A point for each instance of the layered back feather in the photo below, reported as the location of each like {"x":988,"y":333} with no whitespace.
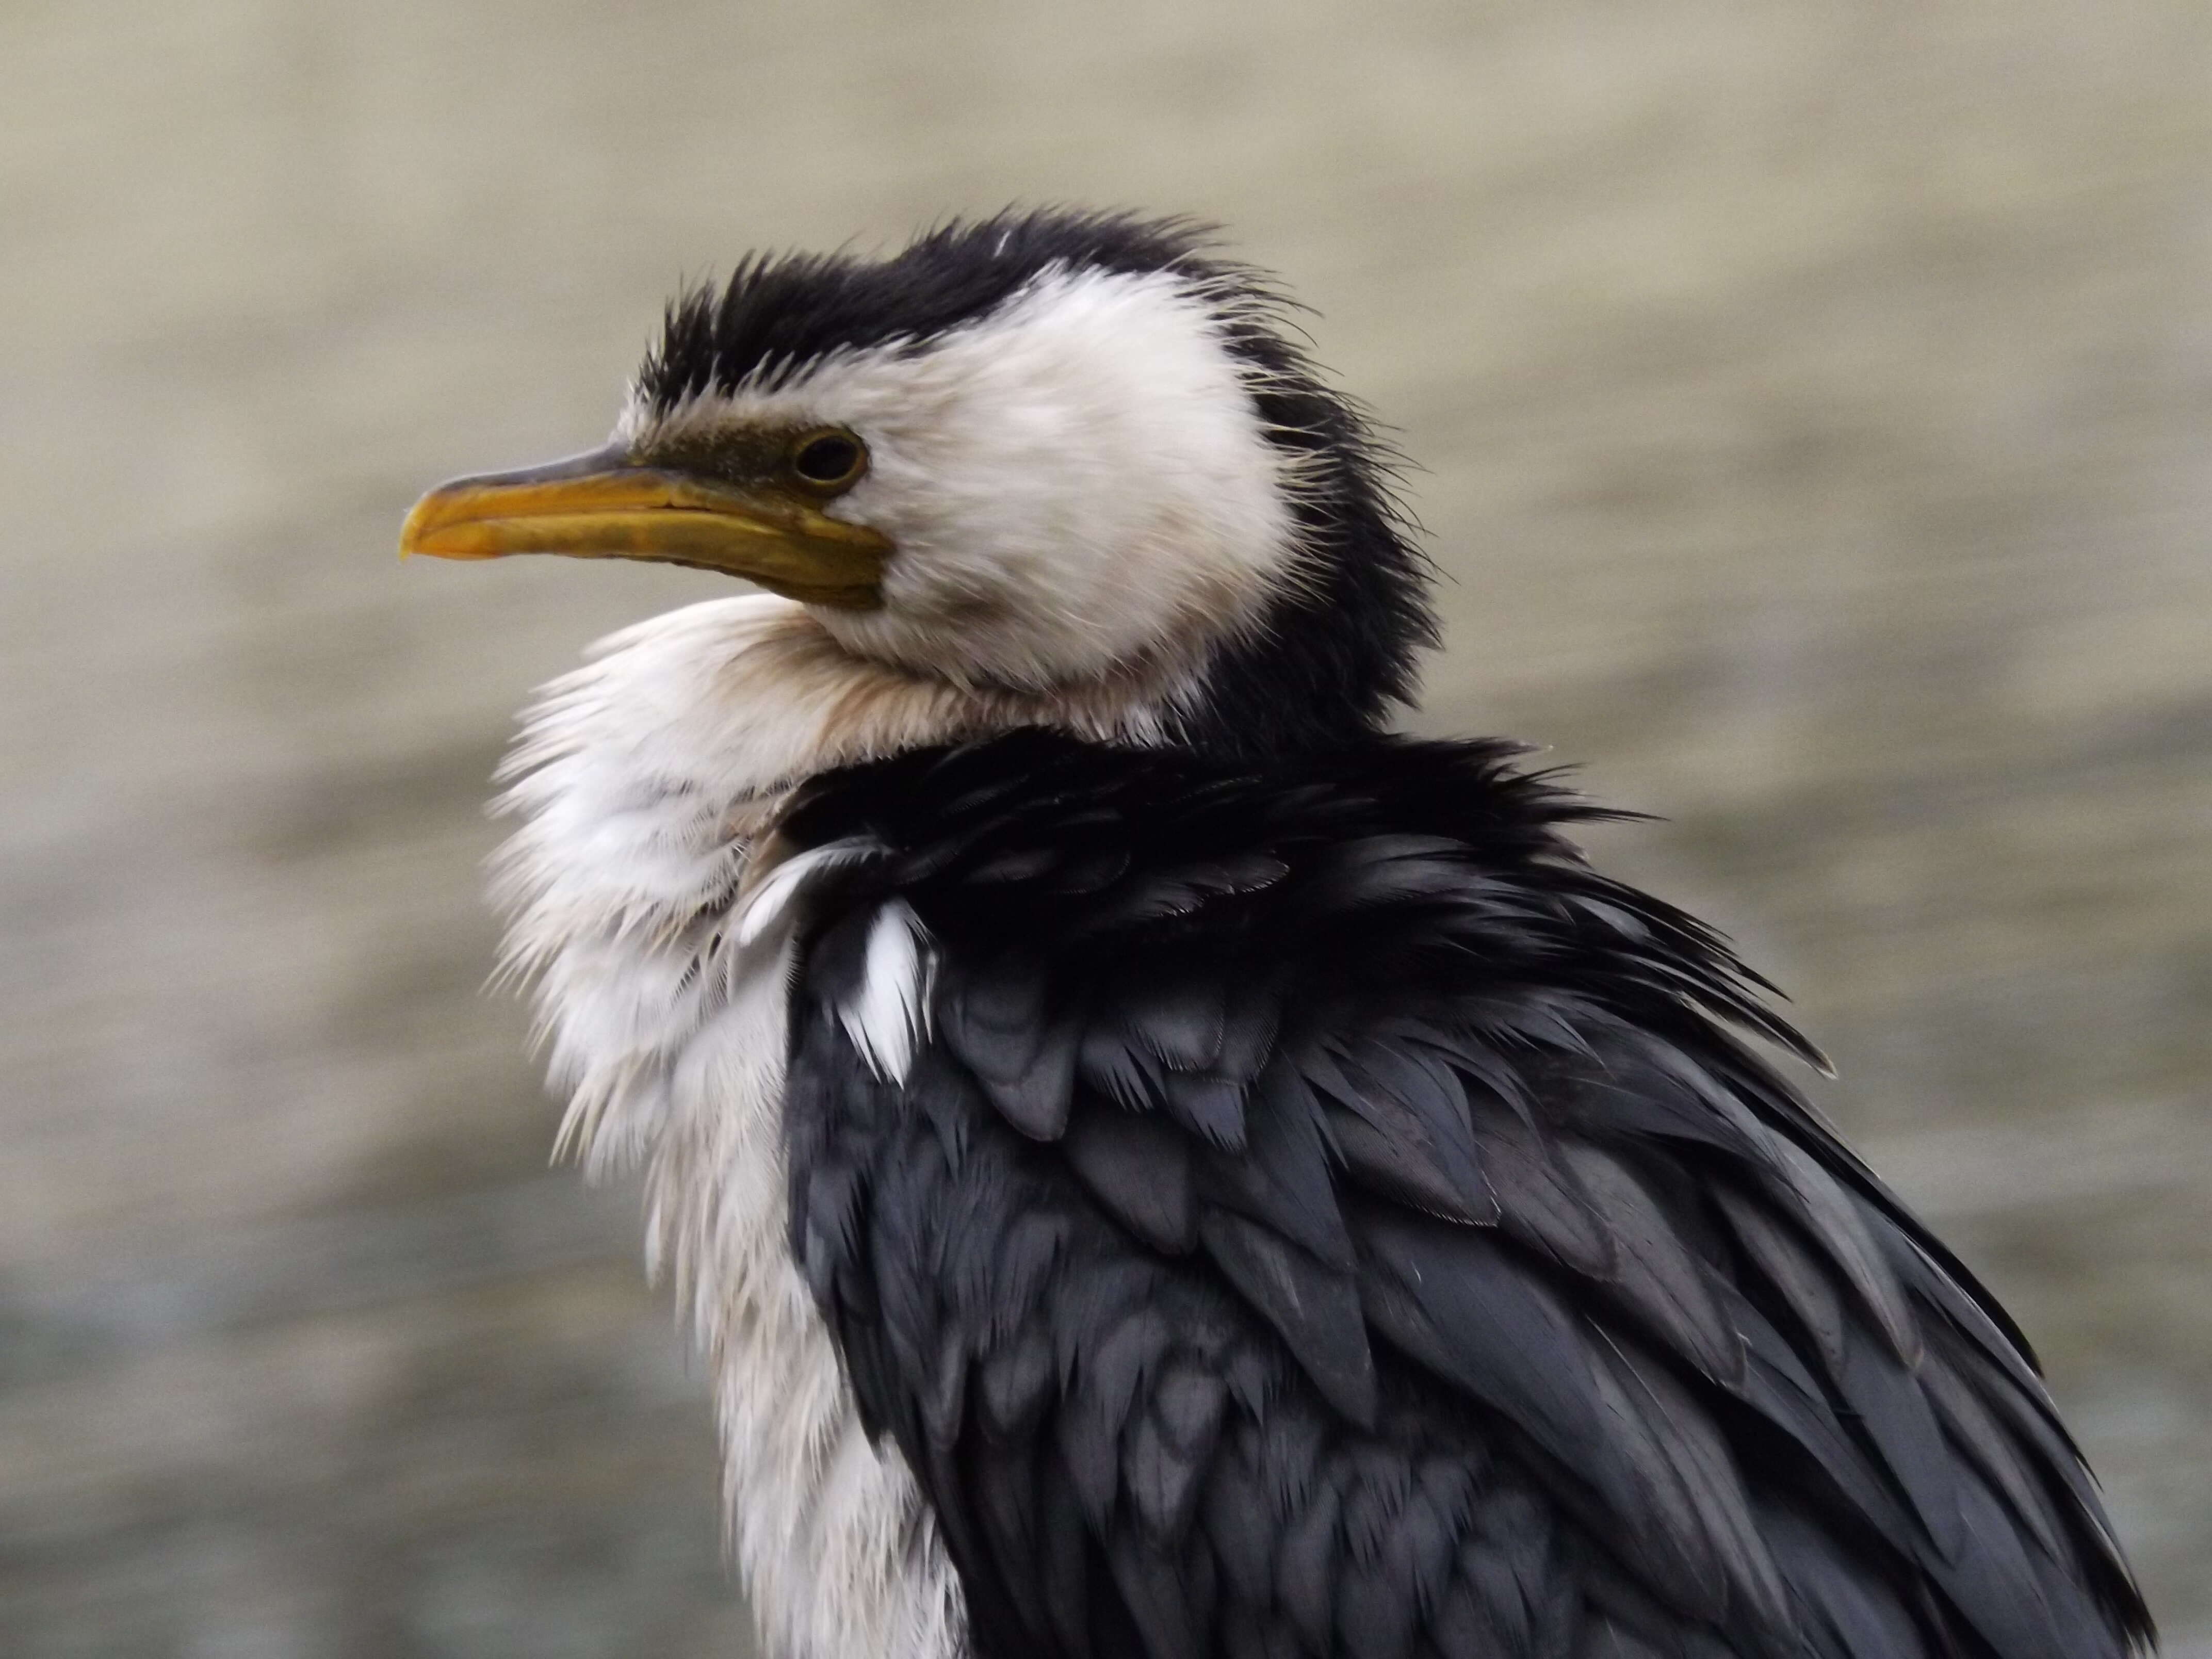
{"x":1314,"y":1214}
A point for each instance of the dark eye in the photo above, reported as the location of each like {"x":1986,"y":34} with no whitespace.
{"x":828,"y":460}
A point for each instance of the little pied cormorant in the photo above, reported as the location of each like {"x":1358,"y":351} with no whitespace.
{"x":1162,"y":1166}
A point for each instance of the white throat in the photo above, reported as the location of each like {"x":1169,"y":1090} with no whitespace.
{"x":648,"y":785}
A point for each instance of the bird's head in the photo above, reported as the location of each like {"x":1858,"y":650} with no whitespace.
{"x":1047,"y":453}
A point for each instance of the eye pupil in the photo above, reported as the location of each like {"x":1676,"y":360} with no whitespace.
{"x":830,"y":458}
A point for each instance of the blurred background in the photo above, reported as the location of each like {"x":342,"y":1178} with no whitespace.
{"x":1814,"y":402}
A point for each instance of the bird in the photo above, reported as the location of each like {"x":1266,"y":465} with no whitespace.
{"x":1163,"y":1165}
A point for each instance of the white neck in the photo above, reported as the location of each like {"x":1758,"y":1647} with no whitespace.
{"x":646,"y":779}
{"x":648,"y":784}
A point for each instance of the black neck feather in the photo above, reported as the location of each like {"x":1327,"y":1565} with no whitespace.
{"x":1336,"y":652}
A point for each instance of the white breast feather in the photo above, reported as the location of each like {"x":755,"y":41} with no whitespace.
{"x":646,"y":903}
{"x":641,"y":781}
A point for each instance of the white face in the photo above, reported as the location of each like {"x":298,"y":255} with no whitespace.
{"x":1077,"y":487}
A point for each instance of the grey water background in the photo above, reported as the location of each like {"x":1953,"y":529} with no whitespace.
{"x":1816,"y":411}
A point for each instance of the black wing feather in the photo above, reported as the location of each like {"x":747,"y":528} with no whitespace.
{"x":1324,"y":1218}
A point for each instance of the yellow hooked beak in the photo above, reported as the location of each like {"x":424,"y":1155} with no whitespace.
{"x":600,"y":507}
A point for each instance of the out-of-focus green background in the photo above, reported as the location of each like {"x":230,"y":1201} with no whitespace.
{"x":1816,"y":405}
